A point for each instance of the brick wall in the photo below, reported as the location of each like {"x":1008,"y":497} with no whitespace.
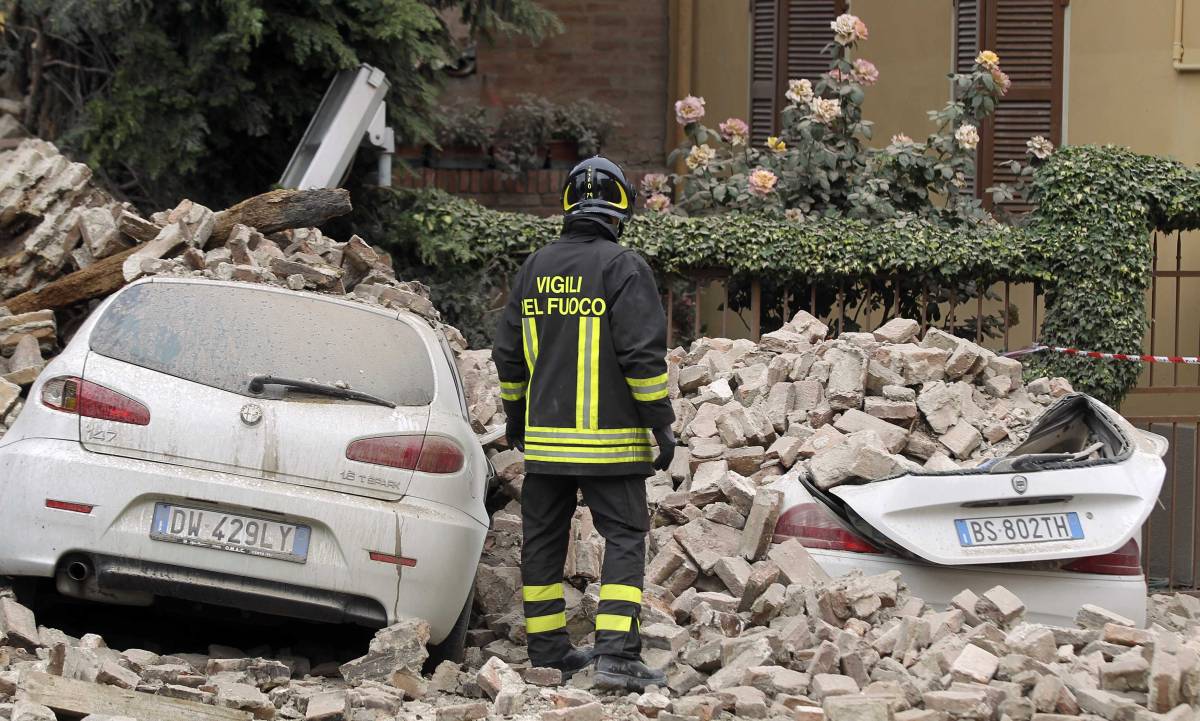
{"x":615,"y":52}
{"x":537,"y":192}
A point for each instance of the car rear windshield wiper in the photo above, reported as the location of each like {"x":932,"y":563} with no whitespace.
{"x":258,"y":382}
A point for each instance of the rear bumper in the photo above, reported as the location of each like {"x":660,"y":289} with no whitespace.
{"x":338,"y":581}
{"x":1050,"y":597}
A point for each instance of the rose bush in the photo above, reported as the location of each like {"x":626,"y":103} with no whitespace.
{"x":820,"y":163}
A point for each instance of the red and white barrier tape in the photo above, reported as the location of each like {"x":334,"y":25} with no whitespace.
{"x":1187,"y":360}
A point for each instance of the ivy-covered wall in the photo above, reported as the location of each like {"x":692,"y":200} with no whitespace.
{"x":1087,"y":244}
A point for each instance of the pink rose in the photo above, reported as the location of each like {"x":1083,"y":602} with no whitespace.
{"x":689,"y":110}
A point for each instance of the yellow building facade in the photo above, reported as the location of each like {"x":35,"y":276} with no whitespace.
{"x":1130,"y":77}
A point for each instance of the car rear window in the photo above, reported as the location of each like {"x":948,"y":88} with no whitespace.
{"x":222,"y":336}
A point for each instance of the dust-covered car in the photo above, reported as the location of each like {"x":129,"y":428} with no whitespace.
{"x":1054,"y":520}
{"x":250,"y":446}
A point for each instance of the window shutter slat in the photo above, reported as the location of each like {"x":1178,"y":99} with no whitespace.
{"x":787,"y":40}
{"x":1028,"y":37}
{"x":808,"y":33}
{"x":764,"y":24}
{"x":966,"y":47}
{"x":966,"y":34}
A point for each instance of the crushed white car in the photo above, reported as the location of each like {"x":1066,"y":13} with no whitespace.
{"x":1055,"y":520}
{"x":250,"y":446}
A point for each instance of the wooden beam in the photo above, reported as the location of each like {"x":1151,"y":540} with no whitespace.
{"x":82,"y":698}
{"x":98,"y":279}
{"x":282,"y":209}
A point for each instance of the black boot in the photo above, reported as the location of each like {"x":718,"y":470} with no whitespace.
{"x":575,"y":660}
{"x":617,"y":673}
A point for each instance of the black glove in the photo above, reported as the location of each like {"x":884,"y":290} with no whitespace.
{"x":514,"y":432}
{"x":666,"y":448}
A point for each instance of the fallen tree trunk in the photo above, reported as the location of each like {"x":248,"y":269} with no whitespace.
{"x":282,"y":209}
{"x":99,"y":279}
{"x":267,"y":213}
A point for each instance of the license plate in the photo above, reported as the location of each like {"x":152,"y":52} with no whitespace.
{"x":1002,"y":530}
{"x":230,"y":532}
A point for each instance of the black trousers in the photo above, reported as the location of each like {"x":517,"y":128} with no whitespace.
{"x":618,"y":506}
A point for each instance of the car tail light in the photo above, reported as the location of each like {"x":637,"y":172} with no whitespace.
{"x":816,"y":527}
{"x":75,"y":395}
{"x":428,"y":454}
{"x":1125,"y":561}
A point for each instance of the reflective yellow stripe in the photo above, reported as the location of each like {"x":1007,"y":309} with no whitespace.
{"x":613,"y":622}
{"x":582,"y":386}
{"x":597,"y":432}
{"x":530,"y":342}
{"x":512,"y":390}
{"x":541,"y":624}
{"x":594,"y":363}
{"x":571,"y":454}
{"x":637,"y":437}
{"x":628,"y":458}
{"x":648,"y":389}
{"x":549,"y":592}
{"x":620,"y":592}
{"x":643,"y":382}
{"x":587,"y":373}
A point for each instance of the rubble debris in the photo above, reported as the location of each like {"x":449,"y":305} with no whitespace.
{"x":857,"y":648}
{"x":81,"y":244}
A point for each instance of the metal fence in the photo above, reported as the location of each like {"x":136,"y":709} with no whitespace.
{"x":1007,"y":316}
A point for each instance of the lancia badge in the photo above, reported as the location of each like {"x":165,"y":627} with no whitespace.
{"x":251,"y":414}
{"x":1020,"y":484}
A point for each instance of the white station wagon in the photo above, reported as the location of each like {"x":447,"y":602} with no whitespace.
{"x":255,"y":447}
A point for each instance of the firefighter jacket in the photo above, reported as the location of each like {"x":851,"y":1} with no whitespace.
{"x":581,"y":352}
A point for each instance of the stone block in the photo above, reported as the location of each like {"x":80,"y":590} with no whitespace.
{"x":852,"y":421}
{"x":760,"y":524}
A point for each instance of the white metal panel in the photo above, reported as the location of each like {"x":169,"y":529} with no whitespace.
{"x":296,"y":441}
{"x":918,"y":512}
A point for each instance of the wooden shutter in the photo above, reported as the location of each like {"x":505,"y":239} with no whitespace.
{"x":764,"y":26}
{"x":966,"y":47}
{"x":1028,"y":37}
{"x":787,"y":39}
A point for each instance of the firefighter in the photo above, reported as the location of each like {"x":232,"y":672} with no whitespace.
{"x":580,"y":350}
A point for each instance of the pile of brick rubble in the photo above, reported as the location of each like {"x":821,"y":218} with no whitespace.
{"x":54,"y":220}
{"x":745,"y":626}
{"x":806,"y":648}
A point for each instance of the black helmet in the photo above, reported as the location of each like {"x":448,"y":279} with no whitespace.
{"x":597,"y":188}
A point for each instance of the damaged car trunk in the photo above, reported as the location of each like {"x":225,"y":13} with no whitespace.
{"x":1080,"y":485}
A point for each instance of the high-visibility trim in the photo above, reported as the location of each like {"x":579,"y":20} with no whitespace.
{"x":635,"y":437}
{"x":582,"y":384}
{"x":529,"y":339}
{"x":589,"y":432}
{"x":585,"y":452}
{"x":645,"y":382}
{"x":542,"y":624}
{"x":594,"y":377}
{"x":620,"y":592}
{"x":549,"y":592}
{"x":513,"y":391}
{"x":648,"y":389}
{"x":556,"y":454}
{"x":587,"y":373}
{"x":613,"y":622}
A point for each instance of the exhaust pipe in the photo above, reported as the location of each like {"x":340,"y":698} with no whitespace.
{"x":77,"y":578}
{"x":79,"y":571}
